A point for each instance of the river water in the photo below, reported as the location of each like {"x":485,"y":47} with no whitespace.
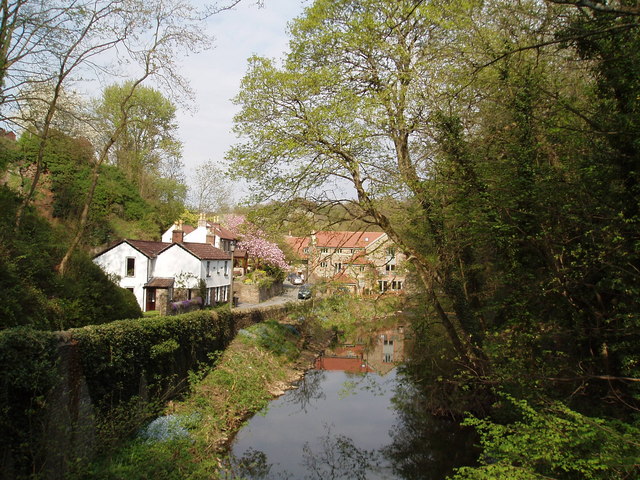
{"x":354,"y":416}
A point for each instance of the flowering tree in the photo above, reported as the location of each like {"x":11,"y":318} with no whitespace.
{"x":260,"y":250}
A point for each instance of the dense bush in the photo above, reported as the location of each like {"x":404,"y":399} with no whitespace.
{"x":28,"y":373}
{"x":68,"y":162}
{"x":555,"y":442}
{"x":31,"y":291}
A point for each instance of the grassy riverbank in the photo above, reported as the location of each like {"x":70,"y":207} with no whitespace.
{"x":189,"y":440}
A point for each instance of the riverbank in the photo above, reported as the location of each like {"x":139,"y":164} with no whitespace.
{"x":189,"y":440}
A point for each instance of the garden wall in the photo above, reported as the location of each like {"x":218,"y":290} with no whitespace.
{"x":54,"y":386}
{"x":251,"y":293}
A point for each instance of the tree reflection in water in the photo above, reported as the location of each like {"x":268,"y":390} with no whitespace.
{"x":424,"y":446}
{"x":252,"y":464}
{"x":308,"y":389}
{"x":338,"y":458}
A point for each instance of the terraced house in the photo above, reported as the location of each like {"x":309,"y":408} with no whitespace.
{"x":362,"y":262}
{"x":193,"y":266}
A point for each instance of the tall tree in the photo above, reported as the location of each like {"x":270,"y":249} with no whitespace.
{"x":168,"y":25}
{"x":351,"y":105}
{"x":473,"y":120}
{"x":55,"y":42}
{"x":210,"y":188}
{"x":148,"y":142}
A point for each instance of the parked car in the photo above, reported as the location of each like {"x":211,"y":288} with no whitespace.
{"x":297,"y":280}
{"x":304,"y":293}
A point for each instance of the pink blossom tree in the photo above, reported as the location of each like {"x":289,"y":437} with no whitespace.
{"x":253,"y":240}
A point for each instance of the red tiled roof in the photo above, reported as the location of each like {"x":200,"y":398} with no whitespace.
{"x":344,"y":278}
{"x":327,"y":239}
{"x":205,"y":251}
{"x":148,"y":248}
{"x":222,"y":232}
{"x":346,"y":239}
{"x":298,"y":244}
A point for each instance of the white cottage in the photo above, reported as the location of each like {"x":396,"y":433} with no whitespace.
{"x":152,"y":270}
{"x":205,"y":232}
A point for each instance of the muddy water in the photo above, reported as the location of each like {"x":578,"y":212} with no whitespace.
{"x":353,"y":417}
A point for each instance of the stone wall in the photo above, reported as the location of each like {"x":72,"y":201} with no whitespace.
{"x":250,"y":293}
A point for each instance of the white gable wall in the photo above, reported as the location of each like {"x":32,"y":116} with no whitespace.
{"x":114,"y":262}
{"x":199,"y":235}
{"x":176,"y":262}
{"x":168,"y":235}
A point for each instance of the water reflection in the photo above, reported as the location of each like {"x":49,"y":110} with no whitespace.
{"x":356,"y":419}
{"x":307,"y":391}
{"x":379,"y":353}
{"x":424,"y":446}
{"x":337,"y":457}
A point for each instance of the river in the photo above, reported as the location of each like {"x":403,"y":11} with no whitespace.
{"x":355,"y":416}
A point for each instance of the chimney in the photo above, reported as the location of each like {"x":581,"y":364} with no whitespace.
{"x":211,"y":238}
{"x":314,"y":240}
{"x":177,"y":235}
{"x":202,"y":221}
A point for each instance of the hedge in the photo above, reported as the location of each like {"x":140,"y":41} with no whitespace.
{"x":150,"y":356}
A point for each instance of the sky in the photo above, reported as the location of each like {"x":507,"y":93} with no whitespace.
{"x":215,"y":75}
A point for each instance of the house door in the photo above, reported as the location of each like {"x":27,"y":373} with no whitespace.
{"x":151,"y":299}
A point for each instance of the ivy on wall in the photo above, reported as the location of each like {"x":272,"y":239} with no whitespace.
{"x":29,"y":371}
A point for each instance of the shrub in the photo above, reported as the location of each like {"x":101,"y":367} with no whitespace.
{"x":555,"y":442}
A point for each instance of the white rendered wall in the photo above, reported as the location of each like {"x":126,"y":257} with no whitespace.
{"x":217,"y":276}
{"x":199,"y":235}
{"x":176,"y":262}
{"x":167,"y":236}
{"x":114,"y":262}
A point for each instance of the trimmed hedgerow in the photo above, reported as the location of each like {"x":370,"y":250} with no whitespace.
{"x":149,"y":357}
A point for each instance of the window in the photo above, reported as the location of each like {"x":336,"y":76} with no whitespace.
{"x":390,"y":267}
{"x":391,"y":252}
{"x":226,"y":267}
{"x":131,"y":267}
{"x":338,"y":250}
{"x":337,"y":267}
{"x":305,"y":249}
{"x":208,"y":269}
{"x":323,"y":264}
{"x":324,"y":250}
{"x":361,"y":268}
{"x":396,"y":285}
{"x":388,"y":358}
